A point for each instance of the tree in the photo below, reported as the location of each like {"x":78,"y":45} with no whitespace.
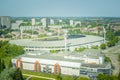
{"x":18,"y":75}
{"x":119,"y":76}
{"x":11,"y":74}
{"x":2,"y":65}
{"x":110,"y":35}
{"x":9,"y":64}
{"x":103,"y":46}
{"x":106,"y":77}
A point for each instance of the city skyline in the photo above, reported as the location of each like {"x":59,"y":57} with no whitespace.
{"x":65,"y":8}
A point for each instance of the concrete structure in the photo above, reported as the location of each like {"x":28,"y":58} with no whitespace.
{"x":77,"y":22}
{"x":60,"y":21}
{"x":17,"y":24}
{"x":71,"y":23}
{"x":43,"y":20}
{"x":5,"y":21}
{"x":51,"y":21}
{"x":33,"y":21}
{"x":47,"y":45}
{"x":89,"y":62}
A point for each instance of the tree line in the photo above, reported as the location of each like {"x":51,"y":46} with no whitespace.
{"x":7,"y":52}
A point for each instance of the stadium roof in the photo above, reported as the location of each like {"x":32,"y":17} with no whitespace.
{"x":60,"y":43}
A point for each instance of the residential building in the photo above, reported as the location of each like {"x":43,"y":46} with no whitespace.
{"x":33,"y":21}
{"x":5,"y":21}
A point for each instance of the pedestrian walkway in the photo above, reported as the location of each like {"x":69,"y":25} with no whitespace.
{"x":38,"y":77}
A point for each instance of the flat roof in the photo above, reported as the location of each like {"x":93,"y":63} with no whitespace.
{"x":73,"y":56}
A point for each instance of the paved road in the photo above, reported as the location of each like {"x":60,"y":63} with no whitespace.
{"x":38,"y":77}
{"x":113,"y":53}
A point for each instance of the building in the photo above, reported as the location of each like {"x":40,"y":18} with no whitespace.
{"x":77,"y":22}
{"x":43,"y":20}
{"x":73,"y":41}
{"x":60,"y":21}
{"x":51,"y":21}
{"x":71,"y":23}
{"x":16,"y":24}
{"x":33,"y":21}
{"x":5,"y":21}
{"x":89,"y":62}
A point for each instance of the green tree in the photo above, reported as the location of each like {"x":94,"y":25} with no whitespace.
{"x":11,"y":74}
{"x":2,"y":65}
{"x":103,"y":46}
{"x":111,"y":43}
{"x":119,"y":76}
{"x":110,"y":35}
{"x":9,"y":64}
{"x":94,"y":47}
{"x":18,"y":75}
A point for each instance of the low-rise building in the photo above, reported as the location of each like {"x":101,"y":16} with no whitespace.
{"x":88,"y":62}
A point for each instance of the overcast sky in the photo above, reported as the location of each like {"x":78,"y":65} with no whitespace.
{"x":82,"y":8}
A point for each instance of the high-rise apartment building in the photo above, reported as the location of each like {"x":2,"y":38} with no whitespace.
{"x":43,"y":20}
{"x":71,"y":23}
{"x":51,"y":21}
{"x":5,"y":21}
{"x":33,"y":21}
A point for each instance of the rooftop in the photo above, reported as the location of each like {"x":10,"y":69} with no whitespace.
{"x":69,"y":56}
{"x":60,"y":43}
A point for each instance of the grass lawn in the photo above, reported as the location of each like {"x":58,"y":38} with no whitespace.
{"x":34,"y":78}
{"x":56,"y":77}
{"x":38,"y":74}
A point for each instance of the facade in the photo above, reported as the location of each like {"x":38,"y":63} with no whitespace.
{"x":77,"y":22}
{"x":86,"y":63}
{"x":5,"y":21}
{"x":33,"y":21}
{"x":51,"y":21}
{"x":17,"y":24}
{"x":60,"y":21}
{"x":43,"y":20}
{"x":71,"y":23}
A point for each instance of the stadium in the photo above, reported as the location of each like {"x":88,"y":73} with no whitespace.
{"x":54,"y":43}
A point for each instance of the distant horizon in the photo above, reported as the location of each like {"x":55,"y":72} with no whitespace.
{"x":58,"y":8}
{"x":71,"y":16}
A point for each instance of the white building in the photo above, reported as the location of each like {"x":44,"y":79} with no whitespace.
{"x":51,"y":21}
{"x":60,"y":21}
{"x":16,"y":24}
{"x":33,"y":21}
{"x":77,"y":22}
{"x":71,"y":23}
{"x":5,"y":21}
{"x":85,"y":63}
{"x":43,"y":20}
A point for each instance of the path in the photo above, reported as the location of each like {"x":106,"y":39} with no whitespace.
{"x":39,"y":76}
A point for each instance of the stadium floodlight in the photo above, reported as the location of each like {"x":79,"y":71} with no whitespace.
{"x":104,"y":33}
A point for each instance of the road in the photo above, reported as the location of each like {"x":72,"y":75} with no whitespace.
{"x":38,"y":77}
{"x":113,"y":53}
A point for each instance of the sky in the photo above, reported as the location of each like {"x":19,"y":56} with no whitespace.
{"x":61,"y":8}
